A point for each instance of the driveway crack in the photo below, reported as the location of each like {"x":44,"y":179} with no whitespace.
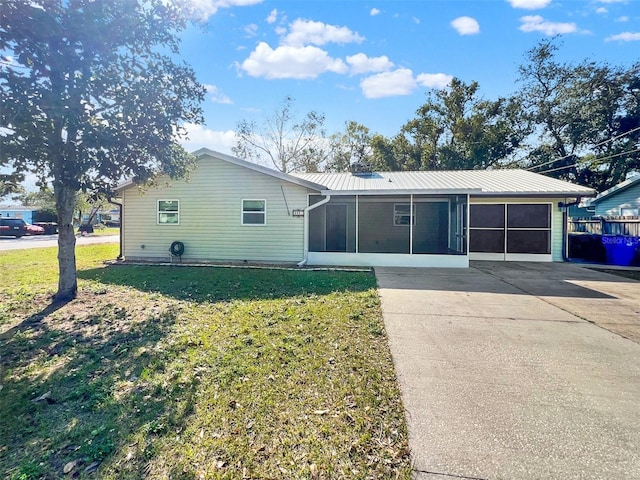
{"x":449,"y":475}
{"x":488,"y":272}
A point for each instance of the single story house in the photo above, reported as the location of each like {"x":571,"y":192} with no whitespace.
{"x":19,"y":211}
{"x":231,"y":210}
{"x":621,"y":200}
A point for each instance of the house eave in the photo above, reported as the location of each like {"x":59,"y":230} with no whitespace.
{"x":389,"y":192}
{"x":534,"y":194}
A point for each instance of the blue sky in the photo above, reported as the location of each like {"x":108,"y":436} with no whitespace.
{"x":373,"y":61}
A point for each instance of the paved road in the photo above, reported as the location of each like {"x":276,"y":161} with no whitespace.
{"x":41,"y":241}
{"x":517,"y":371}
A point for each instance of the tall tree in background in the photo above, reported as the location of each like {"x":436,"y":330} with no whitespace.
{"x":586,"y":117}
{"x":354,"y":145}
{"x":284,"y":141}
{"x":454,"y":130}
{"x":90,"y":95}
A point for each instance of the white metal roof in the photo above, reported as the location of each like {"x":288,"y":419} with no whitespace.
{"x":475,"y":182}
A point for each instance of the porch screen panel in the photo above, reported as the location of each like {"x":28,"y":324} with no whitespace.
{"x":431,"y":229}
{"x":487,"y":228}
{"x":381,"y":229}
{"x":529,"y":228}
{"x":332,"y":226}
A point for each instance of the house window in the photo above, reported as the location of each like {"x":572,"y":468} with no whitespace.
{"x":628,"y":212}
{"x":401,"y":214}
{"x":168,"y":212}
{"x":254,"y":212}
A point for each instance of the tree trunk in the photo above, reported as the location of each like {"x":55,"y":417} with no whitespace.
{"x":67,"y":280}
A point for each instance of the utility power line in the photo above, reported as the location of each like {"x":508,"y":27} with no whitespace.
{"x":603,"y":158}
{"x":596,"y":145}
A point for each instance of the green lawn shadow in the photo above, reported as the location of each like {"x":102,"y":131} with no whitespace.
{"x":214,"y":283}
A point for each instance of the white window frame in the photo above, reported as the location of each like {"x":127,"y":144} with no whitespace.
{"x":242,"y":212}
{"x":412,"y":208}
{"x":629,"y":211}
{"x":158,"y":212}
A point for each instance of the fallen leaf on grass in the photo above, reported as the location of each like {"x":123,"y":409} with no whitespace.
{"x":321,"y":412}
{"x":92,"y":467}
{"x":69,"y":466}
{"x":42,"y":397}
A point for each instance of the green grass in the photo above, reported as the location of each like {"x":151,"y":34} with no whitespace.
{"x":106,"y":231}
{"x":195,"y":372}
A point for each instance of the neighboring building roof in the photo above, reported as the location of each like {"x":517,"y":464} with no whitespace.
{"x":204,"y":152}
{"x":476,"y":182}
{"x":18,"y":208}
{"x":614,"y":190}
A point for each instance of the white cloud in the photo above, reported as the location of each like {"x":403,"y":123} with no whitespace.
{"x":535,"y":23}
{"x":466,"y":25}
{"x":217,"y":96}
{"x":624,"y":37}
{"x":622,"y":19}
{"x":401,"y":82}
{"x":389,"y":84}
{"x":434,"y":80}
{"x":199,"y":137}
{"x":251,"y":30}
{"x":203,"y":9}
{"x":273,"y":16}
{"x":374,"y":12}
{"x":415,"y":20}
{"x":361,"y":63}
{"x":612,"y":1}
{"x":303,"y":32}
{"x":529,"y":4}
{"x":602,"y":10}
{"x":290,"y":62}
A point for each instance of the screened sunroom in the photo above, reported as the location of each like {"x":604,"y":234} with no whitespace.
{"x":411,"y":230}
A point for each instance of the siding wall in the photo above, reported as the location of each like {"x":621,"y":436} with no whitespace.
{"x":26,"y":215}
{"x":629,"y":198}
{"x":210,"y":217}
{"x":556,"y":218}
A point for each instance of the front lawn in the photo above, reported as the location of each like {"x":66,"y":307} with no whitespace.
{"x":194,"y":372}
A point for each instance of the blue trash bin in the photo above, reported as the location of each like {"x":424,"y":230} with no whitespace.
{"x":621,"y":249}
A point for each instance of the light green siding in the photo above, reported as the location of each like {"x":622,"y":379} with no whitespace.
{"x":556,"y":218}
{"x":210,"y":217}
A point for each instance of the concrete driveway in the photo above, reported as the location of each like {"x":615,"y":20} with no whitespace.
{"x":517,"y":370}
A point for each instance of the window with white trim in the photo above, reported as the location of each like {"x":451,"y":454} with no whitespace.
{"x":401,"y":215}
{"x":254,"y":212}
{"x":628,"y":212}
{"x":168,"y":212}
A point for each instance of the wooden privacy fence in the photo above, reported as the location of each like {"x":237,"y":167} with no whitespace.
{"x":629,"y":226}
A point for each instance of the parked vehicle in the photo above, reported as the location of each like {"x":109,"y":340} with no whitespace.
{"x":50,"y":228}
{"x":34,"y":229}
{"x":13,"y":227}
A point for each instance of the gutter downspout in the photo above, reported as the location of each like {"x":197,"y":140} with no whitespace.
{"x":306,"y":228}
{"x":120,"y":206}
{"x":565,"y":229}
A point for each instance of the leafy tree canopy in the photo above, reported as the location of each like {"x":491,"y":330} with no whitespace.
{"x":354,"y":145}
{"x":91,"y":94}
{"x":586,"y":117}
{"x":454,"y":129}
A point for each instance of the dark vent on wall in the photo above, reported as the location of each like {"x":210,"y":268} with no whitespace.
{"x":361,"y":169}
